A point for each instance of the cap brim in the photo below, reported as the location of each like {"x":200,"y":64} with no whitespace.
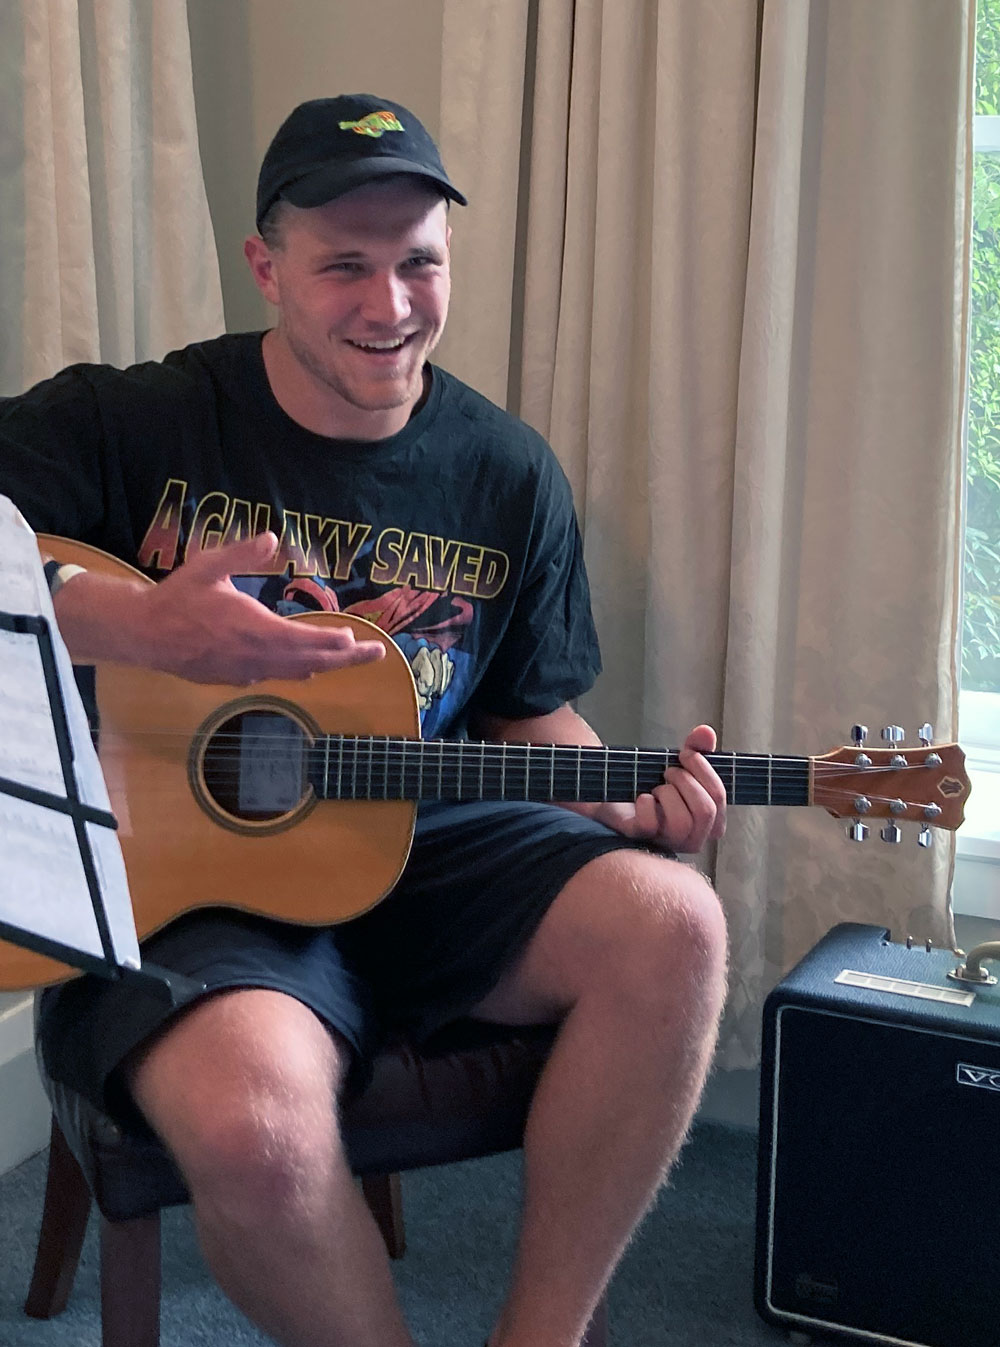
{"x":333,"y":180}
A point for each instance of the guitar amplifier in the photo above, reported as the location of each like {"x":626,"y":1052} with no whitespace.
{"x":878,"y":1187}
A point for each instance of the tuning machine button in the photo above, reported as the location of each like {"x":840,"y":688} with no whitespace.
{"x":891,"y":833}
{"x":859,"y":733}
{"x":926,"y":734}
{"x":925,"y":838}
{"x":893,"y":734}
{"x":857,"y":831}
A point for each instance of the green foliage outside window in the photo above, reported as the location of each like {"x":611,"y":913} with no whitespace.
{"x":981,"y":634}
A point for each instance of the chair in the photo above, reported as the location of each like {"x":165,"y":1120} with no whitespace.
{"x":464,"y":1095}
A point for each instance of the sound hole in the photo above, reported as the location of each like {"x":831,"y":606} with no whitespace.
{"x":255,"y":765}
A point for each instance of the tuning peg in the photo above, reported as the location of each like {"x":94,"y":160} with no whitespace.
{"x":925,"y":838}
{"x":859,"y":733}
{"x":857,"y":831}
{"x":926,"y":735}
{"x":893,"y":734}
{"x":892,"y":833}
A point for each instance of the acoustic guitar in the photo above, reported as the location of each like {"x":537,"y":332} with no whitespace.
{"x":298,"y":800}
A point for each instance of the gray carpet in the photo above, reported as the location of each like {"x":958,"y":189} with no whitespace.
{"x":686,"y":1280}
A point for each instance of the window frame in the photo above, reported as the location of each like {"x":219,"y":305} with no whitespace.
{"x":976,"y":888}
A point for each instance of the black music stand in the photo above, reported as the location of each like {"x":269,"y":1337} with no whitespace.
{"x":172,"y":987}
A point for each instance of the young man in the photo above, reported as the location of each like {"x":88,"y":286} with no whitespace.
{"x":398,"y":493}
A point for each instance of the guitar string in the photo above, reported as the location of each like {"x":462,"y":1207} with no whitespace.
{"x":879,"y":803}
{"x":746,"y":775}
{"x":472,"y":748}
{"x":218,"y":769}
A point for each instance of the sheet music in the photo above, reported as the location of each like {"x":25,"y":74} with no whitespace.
{"x":43,"y":887}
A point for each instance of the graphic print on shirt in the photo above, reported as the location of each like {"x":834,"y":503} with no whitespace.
{"x":419,"y":588}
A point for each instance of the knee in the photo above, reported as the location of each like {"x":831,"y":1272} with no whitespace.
{"x":671,"y":934}
{"x":259,"y":1160}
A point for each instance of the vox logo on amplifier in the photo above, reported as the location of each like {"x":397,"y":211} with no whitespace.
{"x":808,"y":1287}
{"x":981,"y":1077}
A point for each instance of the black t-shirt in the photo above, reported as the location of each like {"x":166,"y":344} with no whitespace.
{"x":456,"y":536}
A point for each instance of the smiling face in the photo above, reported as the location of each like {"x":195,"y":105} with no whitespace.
{"x":362,"y":286}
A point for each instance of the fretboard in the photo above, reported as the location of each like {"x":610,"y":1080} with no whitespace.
{"x":381,"y":768}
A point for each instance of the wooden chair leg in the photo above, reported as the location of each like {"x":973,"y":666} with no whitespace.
{"x":384,"y":1195}
{"x":130,"y":1282}
{"x":597,"y":1330}
{"x":60,"y":1239}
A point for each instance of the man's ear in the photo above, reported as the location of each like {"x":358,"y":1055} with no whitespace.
{"x":261,"y":264}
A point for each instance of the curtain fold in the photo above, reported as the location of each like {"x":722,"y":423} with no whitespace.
{"x":109,"y":248}
{"x":725,"y":277}
{"x":845,"y":594}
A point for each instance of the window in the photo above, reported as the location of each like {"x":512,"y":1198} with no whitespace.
{"x":977,"y":879}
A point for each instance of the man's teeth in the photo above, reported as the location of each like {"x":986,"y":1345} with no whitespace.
{"x":380,"y":345}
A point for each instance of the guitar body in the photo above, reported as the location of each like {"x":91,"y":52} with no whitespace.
{"x":329,"y":863}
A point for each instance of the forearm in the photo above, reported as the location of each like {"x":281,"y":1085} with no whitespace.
{"x":103,"y":617}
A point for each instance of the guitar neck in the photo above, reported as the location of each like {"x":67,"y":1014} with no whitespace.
{"x":383,"y":768}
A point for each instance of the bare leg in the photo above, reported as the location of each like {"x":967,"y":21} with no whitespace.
{"x":242,"y":1090}
{"x":632,"y":953}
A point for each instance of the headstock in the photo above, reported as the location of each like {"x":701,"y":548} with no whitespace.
{"x":926,"y":785}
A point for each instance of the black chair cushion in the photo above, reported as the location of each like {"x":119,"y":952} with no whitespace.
{"x":465,"y":1093}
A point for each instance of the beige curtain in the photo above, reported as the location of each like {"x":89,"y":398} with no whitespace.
{"x":108,"y":247}
{"x":716,"y":253}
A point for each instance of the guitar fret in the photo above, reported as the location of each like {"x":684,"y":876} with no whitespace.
{"x":381,"y":767}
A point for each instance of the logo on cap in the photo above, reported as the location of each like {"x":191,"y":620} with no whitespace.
{"x":374,"y":124}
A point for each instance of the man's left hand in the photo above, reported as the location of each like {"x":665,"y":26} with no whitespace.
{"x":687,"y":811}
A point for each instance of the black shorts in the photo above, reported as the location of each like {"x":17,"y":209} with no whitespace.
{"x":477,"y":883}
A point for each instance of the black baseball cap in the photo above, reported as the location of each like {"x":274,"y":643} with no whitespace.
{"x":329,"y":146}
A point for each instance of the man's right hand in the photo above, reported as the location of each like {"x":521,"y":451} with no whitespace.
{"x":197,"y":624}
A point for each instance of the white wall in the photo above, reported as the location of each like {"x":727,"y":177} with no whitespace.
{"x":24,"y":1113}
